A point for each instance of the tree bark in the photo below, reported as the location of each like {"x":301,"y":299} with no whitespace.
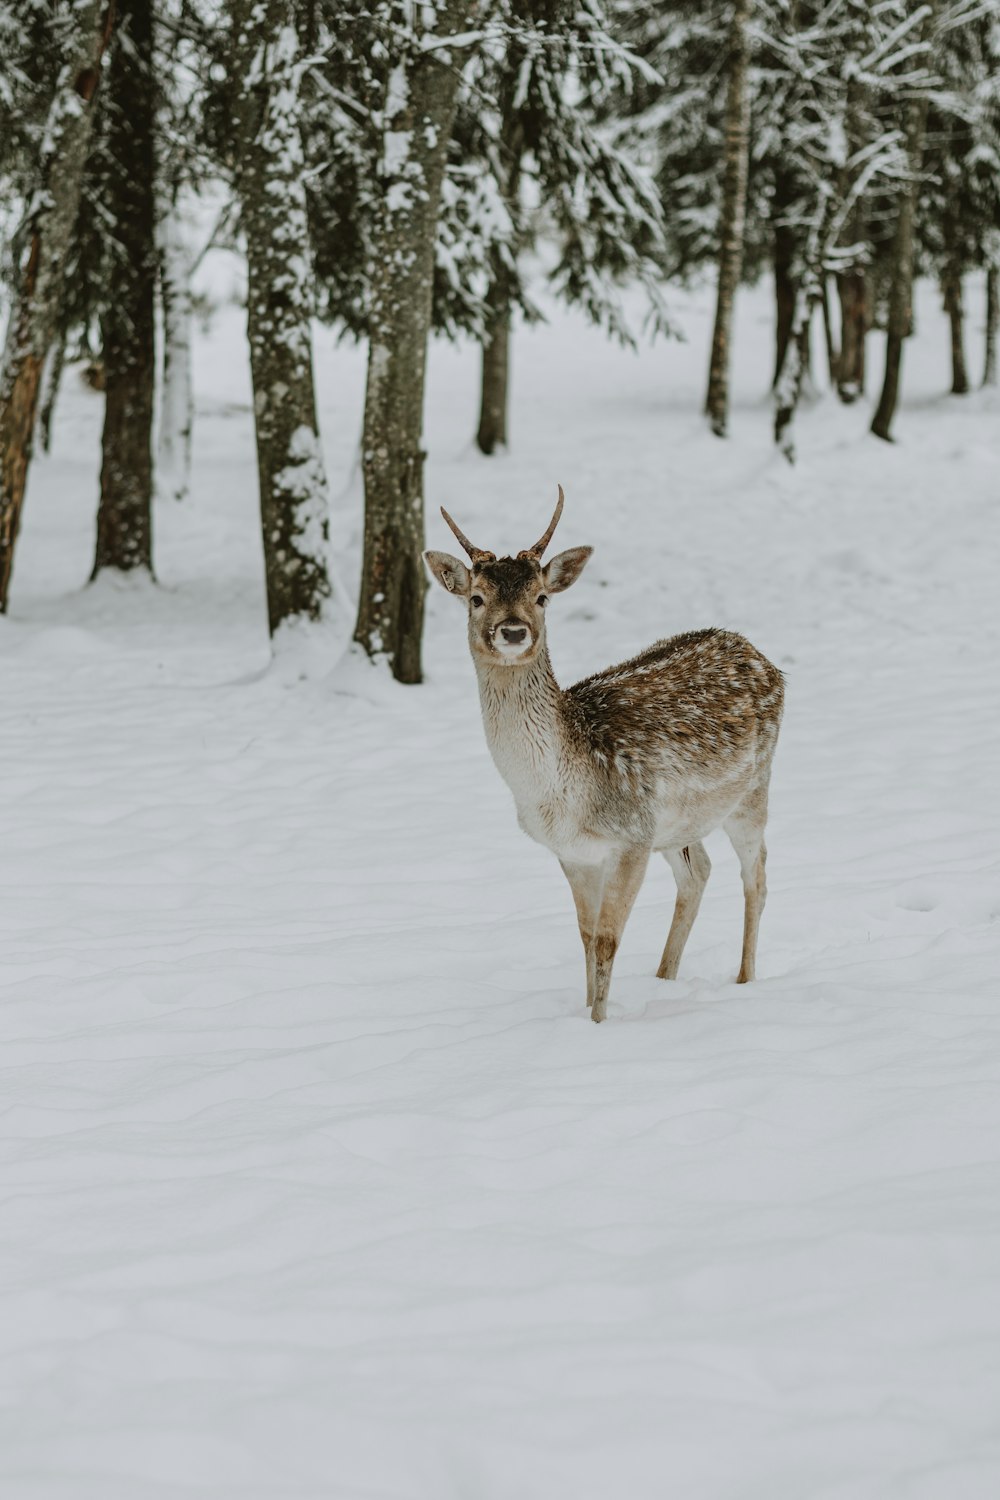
{"x":294,"y":501}
{"x":788,"y":388}
{"x":832,"y":353}
{"x":124,"y":516}
{"x":785,"y":286}
{"x":992,"y":313}
{"x":53,"y":380}
{"x":176,"y":398}
{"x":734,"y":191}
{"x":852,"y":283}
{"x":953,"y":307}
{"x":418,"y":115}
{"x":852,"y":288}
{"x":492,"y":431}
{"x":38,"y":292}
{"x":901,"y":290}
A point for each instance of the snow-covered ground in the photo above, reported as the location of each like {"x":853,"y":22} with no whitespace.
{"x":317,"y":1180}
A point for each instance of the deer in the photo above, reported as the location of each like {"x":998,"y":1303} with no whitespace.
{"x":647,"y":756}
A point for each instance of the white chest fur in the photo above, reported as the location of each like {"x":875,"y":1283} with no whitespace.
{"x":521,"y":716}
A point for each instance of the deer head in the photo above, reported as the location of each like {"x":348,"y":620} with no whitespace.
{"x":506,"y":596}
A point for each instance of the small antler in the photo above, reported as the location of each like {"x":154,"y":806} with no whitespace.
{"x":538,"y":549}
{"x":475,"y":553}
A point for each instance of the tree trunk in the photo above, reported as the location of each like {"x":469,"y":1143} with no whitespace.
{"x":852,"y":283}
{"x":124,"y":521}
{"x":176,"y":400}
{"x":788,"y":388}
{"x":53,"y":380}
{"x":832,"y":354}
{"x":38,"y":290}
{"x":853,"y":290}
{"x":901,"y":290}
{"x":734,"y":192}
{"x":992,"y":312}
{"x":953,"y":307}
{"x":784,"y":282}
{"x":492,"y":430}
{"x":418,"y":115}
{"x":294,"y":502}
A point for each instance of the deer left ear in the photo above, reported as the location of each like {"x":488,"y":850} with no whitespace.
{"x":565,"y":568}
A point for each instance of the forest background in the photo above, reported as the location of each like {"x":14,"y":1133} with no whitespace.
{"x":390,"y":169}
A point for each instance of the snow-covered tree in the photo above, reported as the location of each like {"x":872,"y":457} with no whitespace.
{"x":958,"y":217}
{"x":915,"y":35}
{"x":183,"y":49}
{"x":421,"y":51}
{"x":265,"y":66}
{"x":124,"y":515}
{"x":730,"y":231}
{"x":533,"y":116}
{"x":52,"y":182}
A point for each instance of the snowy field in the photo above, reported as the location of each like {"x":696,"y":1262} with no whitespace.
{"x":318,"y":1182}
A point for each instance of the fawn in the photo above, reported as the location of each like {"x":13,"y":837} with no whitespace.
{"x":652,"y":754}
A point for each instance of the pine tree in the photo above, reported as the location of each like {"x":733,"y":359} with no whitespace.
{"x":124,"y":516}
{"x":840,"y":160}
{"x":541,"y":101}
{"x":183,"y":47}
{"x":265,"y":70}
{"x":901,"y":265}
{"x":44,"y":242}
{"x":958,"y":219}
{"x":416,"y":107}
{"x":733,"y":214}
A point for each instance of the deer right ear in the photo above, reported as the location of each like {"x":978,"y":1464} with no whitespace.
{"x":565,"y":568}
{"x":449,"y":572}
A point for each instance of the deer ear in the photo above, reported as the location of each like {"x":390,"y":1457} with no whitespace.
{"x":449,"y":572}
{"x":565,"y":568}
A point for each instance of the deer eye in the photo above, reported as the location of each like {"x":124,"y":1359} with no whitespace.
{"x":542,"y":599}
{"x":476,"y":601}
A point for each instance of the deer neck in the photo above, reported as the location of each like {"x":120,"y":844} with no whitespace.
{"x":522,"y":716}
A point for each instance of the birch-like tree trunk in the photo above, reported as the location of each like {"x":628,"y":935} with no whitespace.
{"x":294,"y":499}
{"x":734,"y":193}
{"x":901,"y":289}
{"x":832,"y":352}
{"x":992,"y":317}
{"x":51,"y":217}
{"x":173,"y":449}
{"x":124,"y":515}
{"x":416,"y":127}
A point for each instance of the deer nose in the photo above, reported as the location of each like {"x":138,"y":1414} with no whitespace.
{"x":514,"y":634}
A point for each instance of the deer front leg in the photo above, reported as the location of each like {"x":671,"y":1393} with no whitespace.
{"x":587,"y":884}
{"x":623,"y":877}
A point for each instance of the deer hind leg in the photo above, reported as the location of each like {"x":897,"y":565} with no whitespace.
{"x":587,"y":884}
{"x":623,"y":877}
{"x":746,"y":834}
{"x":691,"y":867}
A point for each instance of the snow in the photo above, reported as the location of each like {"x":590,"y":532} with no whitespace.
{"x":318,"y":1181}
